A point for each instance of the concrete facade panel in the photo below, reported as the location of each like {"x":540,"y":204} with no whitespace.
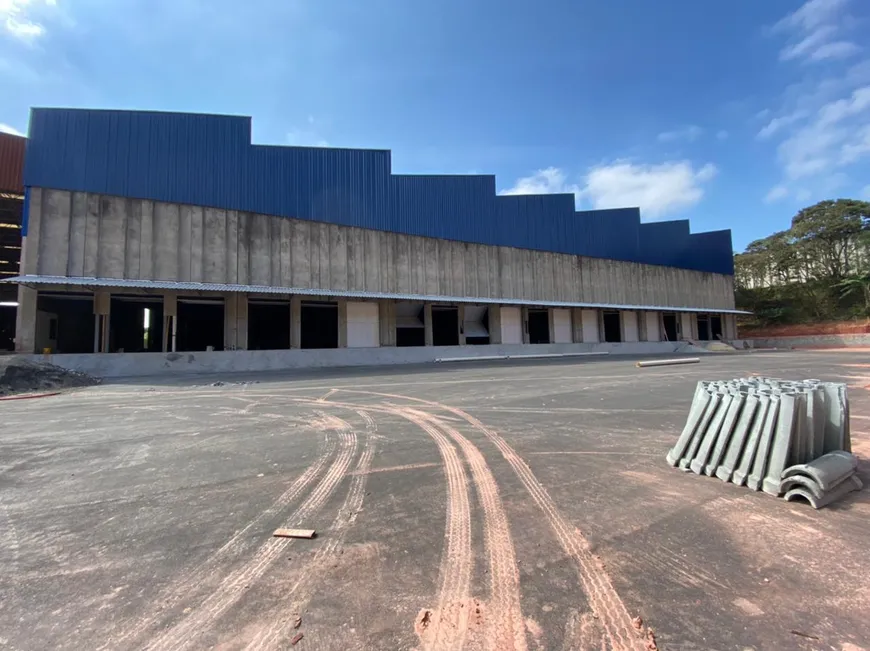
{"x":590,"y":326}
{"x":653,"y":326}
{"x":562,"y":333}
{"x":630,"y":327}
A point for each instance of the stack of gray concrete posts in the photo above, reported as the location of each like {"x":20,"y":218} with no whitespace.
{"x":749,"y":431}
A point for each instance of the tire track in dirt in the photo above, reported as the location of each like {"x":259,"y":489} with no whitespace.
{"x":603,"y":598}
{"x":271,"y":637}
{"x":234,"y":547}
{"x":233,"y":586}
{"x":505,"y":627}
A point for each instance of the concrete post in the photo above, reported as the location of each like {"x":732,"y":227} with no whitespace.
{"x":551,"y":322}
{"x":241,"y":321}
{"x":296,"y":322}
{"x":387,"y":322}
{"x":102,"y":309}
{"x":342,"y":323}
{"x":494,"y":314}
{"x":25,"y":321}
{"x":170,"y":321}
{"x":230,"y":321}
{"x":427,"y":323}
{"x":524,"y":320}
{"x":577,"y":325}
{"x":30,"y":243}
{"x":461,"y":324}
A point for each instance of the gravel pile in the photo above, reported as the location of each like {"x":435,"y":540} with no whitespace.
{"x":21,"y":375}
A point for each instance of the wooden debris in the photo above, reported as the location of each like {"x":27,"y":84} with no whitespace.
{"x":297,"y":622}
{"x":296,"y":639}
{"x":294,"y":533}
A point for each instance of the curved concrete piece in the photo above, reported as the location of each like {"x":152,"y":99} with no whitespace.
{"x":851,"y":484}
{"x":712,"y":408}
{"x":784,"y":439}
{"x":802,"y":481}
{"x":710,"y":436}
{"x":696,"y":413}
{"x":738,"y":439}
{"x":827,"y":471}
{"x":759,"y":466}
{"x":725,"y":433}
{"x":748,"y":458}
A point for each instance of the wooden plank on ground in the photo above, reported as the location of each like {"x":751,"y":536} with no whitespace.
{"x":294,"y":533}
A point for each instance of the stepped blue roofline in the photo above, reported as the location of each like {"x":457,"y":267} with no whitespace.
{"x":208,"y":160}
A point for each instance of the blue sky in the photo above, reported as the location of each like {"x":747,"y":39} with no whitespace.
{"x":734,"y":115}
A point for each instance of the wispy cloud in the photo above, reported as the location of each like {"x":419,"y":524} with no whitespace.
{"x":777,"y":193}
{"x":657,"y":189}
{"x":688,"y":133}
{"x":779,"y":123}
{"x":814,"y":32}
{"x":21,"y":18}
{"x":5,"y":128}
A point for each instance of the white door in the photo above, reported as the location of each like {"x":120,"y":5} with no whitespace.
{"x":561,"y":326}
{"x":653,"y":330}
{"x":511,"y":325}
{"x":687,"y":321}
{"x":629,"y":327}
{"x":590,"y":326}
{"x":362,"y":325}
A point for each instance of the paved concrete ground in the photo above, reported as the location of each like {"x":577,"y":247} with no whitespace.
{"x":491,"y":506}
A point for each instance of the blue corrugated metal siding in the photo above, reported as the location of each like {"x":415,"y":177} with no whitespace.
{"x":208,"y":160}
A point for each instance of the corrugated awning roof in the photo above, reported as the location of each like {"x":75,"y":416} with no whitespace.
{"x":181,"y":286}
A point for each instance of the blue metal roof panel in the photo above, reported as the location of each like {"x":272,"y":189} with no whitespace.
{"x":209,"y":160}
{"x":180,"y":286}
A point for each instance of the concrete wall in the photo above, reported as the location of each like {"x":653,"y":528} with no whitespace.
{"x":653,"y":329}
{"x":362,"y":325}
{"x":87,"y":235}
{"x":561,"y":324}
{"x":114,"y":365}
{"x":630,"y":328}
{"x":810,"y":341}
{"x":590,"y":326}
{"x":511,"y":325}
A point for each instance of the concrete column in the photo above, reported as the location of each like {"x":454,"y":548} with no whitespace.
{"x":30,"y":243}
{"x":241,"y":321}
{"x":524,"y":323}
{"x":102,"y":309}
{"x":230,"y":321}
{"x":461,"y":325}
{"x":427,"y":323}
{"x":342,"y":323}
{"x":170,"y":321}
{"x":729,"y":326}
{"x":577,"y":325}
{"x":387,"y":322}
{"x":551,"y":322}
{"x":296,"y":322}
{"x":494,"y":324}
{"x":25,"y":321}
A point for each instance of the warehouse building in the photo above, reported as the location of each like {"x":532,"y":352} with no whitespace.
{"x":162,"y":233}
{"x":11,"y":211}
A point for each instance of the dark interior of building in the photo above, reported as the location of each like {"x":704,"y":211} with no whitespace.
{"x":479,"y":340}
{"x":200,"y":324}
{"x":65,"y":323}
{"x":612,"y":327}
{"x":539,"y":326}
{"x":11,"y":207}
{"x":136,"y":324}
{"x":703,"y":327}
{"x":715,"y":327}
{"x":670,"y":324}
{"x":445,"y":325}
{"x":268,"y":325}
{"x":319,"y":325}
{"x":411,"y":336}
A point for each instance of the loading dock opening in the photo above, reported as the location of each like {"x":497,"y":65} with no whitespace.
{"x":410,"y":330}
{"x":136,"y":324}
{"x":200,"y":324}
{"x":703,"y":327}
{"x":475,"y":326}
{"x":715,"y":327}
{"x":7,"y":325}
{"x":669,"y":321}
{"x":539,"y":326}
{"x":612,"y":322}
{"x":268,"y":324}
{"x":445,"y":325}
{"x":319,"y":324}
{"x":65,"y":323}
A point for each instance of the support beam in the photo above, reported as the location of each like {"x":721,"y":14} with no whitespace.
{"x":25,"y":321}
{"x":102,"y":310}
{"x":495,"y":324}
{"x":461,"y":324}
{"x":170,"y":321}
{"x":524,"y":322}
{"x":577,"y":325}
{"x":387,"y":322}
{"x":296,"y":322}
{"x":427,"y":323}
{"x":342,"y":323}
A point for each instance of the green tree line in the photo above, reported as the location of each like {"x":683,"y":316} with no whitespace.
{"x":817,"y":270}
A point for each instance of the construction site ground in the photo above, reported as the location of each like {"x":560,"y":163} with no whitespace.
{"x":500,"y":506}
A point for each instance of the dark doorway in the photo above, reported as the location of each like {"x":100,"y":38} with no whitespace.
{"x":7,"y":326}
{"x":539,"y":326}
{"x":136,"y":324}
{"x":268,"y":325}
{"x":200,"y":324}
{"x":319,"y":325}
{"x":612,"y":327}
{"x":715,"y":327}
{"x":65,"y":323}
{"x":476,"y":326}
{"x":670,"y":324}
{"x":703,"y":327}
{"x":411,"y":336}
{"x":445,"y":325}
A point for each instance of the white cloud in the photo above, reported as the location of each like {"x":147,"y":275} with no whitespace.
{"x":852,"y":150}
{"x":865,"y":193}
{"x":814,"y":32}
{"x":19,"y":17}
{"x":776,"y":193}
{"x":688,"y":133}
{"x":5,"y":128}
{"x":779,"y":123}
{"x":722,"y":135}
{"x":658,"y":190}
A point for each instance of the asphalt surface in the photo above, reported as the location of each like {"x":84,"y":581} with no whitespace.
{"x":521,"y":506}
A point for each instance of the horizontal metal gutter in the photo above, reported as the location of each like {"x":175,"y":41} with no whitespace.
{"x":180,"y":286}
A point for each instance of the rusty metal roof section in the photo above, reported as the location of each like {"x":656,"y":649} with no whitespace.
{"x":12,"y":163}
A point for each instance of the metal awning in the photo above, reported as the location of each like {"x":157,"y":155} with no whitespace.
{"x":184,"y":286}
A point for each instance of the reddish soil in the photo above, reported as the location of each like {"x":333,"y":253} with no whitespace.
{"x":807,"y":330}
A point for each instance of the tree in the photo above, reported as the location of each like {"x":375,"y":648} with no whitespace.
{"x":828,"y":233}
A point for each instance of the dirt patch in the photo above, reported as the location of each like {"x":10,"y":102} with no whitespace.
{"x":21,"y":375}
{"x":807,"y":330}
